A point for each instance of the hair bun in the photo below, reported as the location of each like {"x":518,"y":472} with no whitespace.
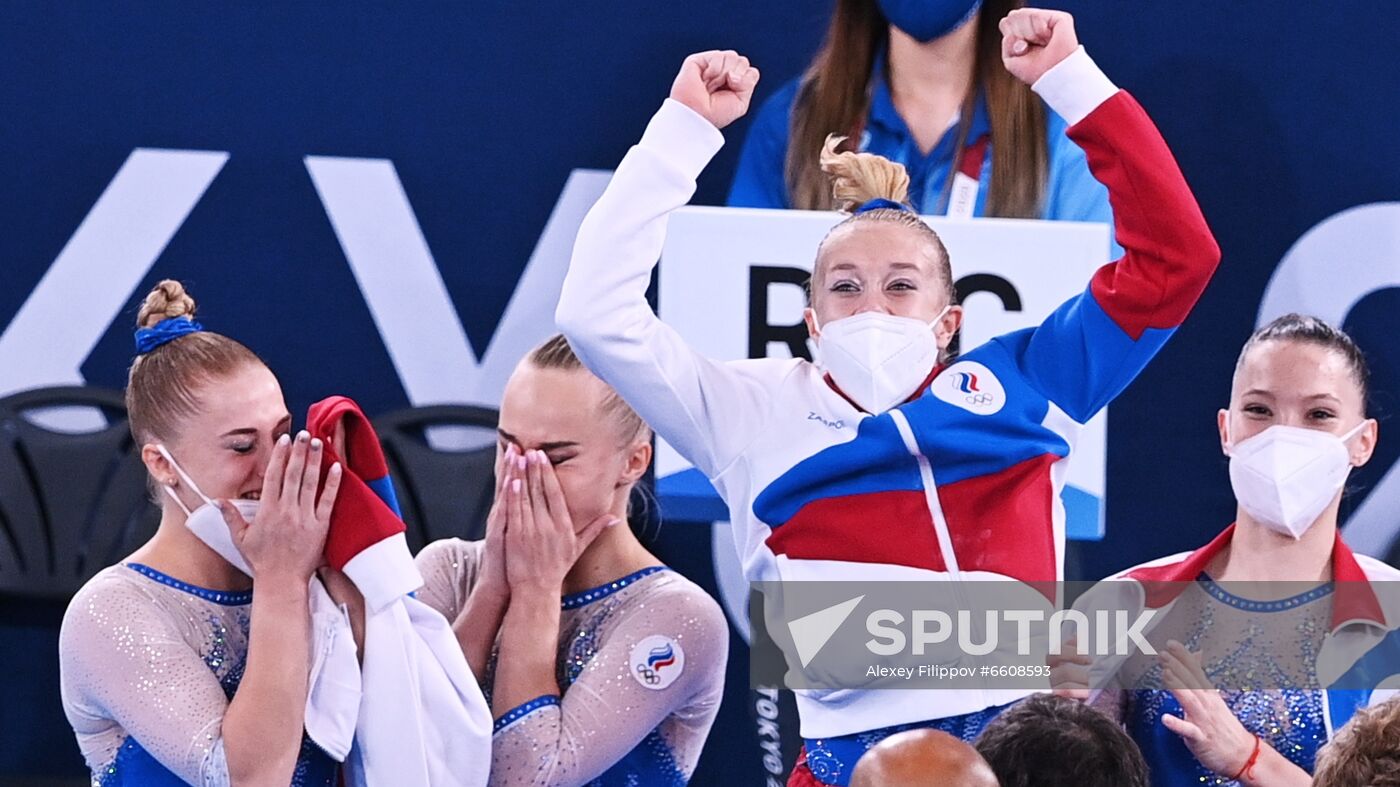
{"x":166,"y":300}
{"x":857,"y":178}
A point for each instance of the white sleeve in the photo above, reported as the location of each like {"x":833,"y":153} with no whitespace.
{"x":334,"y":686}
{"x":423,"y":719}
{"x":707,"y":410}
{"x":122,"y":658}
{"x":608,"y":711}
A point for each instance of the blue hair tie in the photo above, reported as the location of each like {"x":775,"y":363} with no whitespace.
{"x":881,"y":204}
{"x":163,"y":332}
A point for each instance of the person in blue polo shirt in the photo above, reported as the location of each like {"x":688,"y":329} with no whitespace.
{"x":920,"y":82}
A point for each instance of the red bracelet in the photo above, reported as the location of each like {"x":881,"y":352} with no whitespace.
{"x":1248,"y":769}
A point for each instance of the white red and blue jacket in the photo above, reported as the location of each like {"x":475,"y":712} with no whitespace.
{"x":1359,"y":662}
{"x":963,"y":480}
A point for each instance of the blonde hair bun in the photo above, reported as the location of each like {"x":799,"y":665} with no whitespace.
{"x":857,"y":178}
{"x":166,"y":300}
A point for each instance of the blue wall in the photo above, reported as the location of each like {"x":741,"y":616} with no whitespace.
{"x":1280,"y":118}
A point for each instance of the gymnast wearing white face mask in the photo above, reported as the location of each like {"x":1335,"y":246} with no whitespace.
{"x":887,"y":459}
{"x":1295,"y":427}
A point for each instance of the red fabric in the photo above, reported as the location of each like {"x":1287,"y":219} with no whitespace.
{"x":1169,"y":252}
{"x":891,"y":527}
{"x":360,"y":518}
{"x":1354,"y":598}
{"x":1000,"y":522}
{"x":802,"y":775}
{"x":970,"y":164}
{"x":360,"y":439}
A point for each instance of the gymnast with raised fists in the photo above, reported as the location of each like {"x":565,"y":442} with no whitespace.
{"x":921,"y":466}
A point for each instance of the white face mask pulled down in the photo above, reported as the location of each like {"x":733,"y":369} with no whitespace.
{"x":207,"y":522}
{"x":1286,"y":476}
{"x":878,"y":359}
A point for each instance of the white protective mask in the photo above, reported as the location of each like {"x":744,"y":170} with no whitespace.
{"x":207,"y":522}
{"x":1285,"y":476}
{"x":878,"y":359}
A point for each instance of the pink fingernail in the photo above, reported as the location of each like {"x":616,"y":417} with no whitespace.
{"x":515,"y":486}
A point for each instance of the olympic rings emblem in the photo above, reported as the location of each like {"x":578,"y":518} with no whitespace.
{"x":648,"y":675}
{"x":981,"y":399}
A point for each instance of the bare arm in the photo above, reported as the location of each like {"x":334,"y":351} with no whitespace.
{"x":541,"y":547}
{"x":262,"y":729}
{"x":476,"y":628}
{"x":485,"y":609}
{"x":1210,"y":730}
{"x":529,"y":641}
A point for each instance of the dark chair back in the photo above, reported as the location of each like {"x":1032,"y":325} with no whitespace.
{"x":71,"y":502}
{"x":442,"y":461}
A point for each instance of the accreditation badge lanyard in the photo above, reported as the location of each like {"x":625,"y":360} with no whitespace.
{"x":960,"y":195}
{"x":967,"y":179}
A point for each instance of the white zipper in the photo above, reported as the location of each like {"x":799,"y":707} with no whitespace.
{"x":935,"y":509}
{"x":940,"y":528}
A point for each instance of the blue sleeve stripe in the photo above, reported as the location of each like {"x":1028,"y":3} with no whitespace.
{"x":521,"y":711}
{"x":384,"y":489}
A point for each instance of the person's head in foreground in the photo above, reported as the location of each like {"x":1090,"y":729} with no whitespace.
{"x":1050,"y":741}
{"x":922,"y":758}
{"x":1364,"y":753}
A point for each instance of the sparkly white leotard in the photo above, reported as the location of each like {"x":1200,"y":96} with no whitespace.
{"x":148,"y":666}
{"x":640,"y":669}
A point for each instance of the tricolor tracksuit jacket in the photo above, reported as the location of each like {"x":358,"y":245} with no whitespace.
{"x":960,"y":482}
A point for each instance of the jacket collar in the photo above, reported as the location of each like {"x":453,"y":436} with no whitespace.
{"x":1353,"y":600}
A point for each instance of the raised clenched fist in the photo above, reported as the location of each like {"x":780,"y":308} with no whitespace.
{"x":717,"y":85}
{"x":1034,"y":40}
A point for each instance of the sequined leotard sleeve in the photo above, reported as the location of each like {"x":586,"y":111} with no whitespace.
{"x":641,"y":667}
{"x":135,"y":682}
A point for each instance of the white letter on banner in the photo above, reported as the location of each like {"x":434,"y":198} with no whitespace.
{"x":399,"y":278}
{"x":389,"y":256}
{"x":99,"y":268}
{"x":1329,"y":270}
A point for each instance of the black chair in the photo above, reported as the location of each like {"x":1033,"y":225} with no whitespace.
{"x":444,"y":490}
{"x":71,"y":503}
